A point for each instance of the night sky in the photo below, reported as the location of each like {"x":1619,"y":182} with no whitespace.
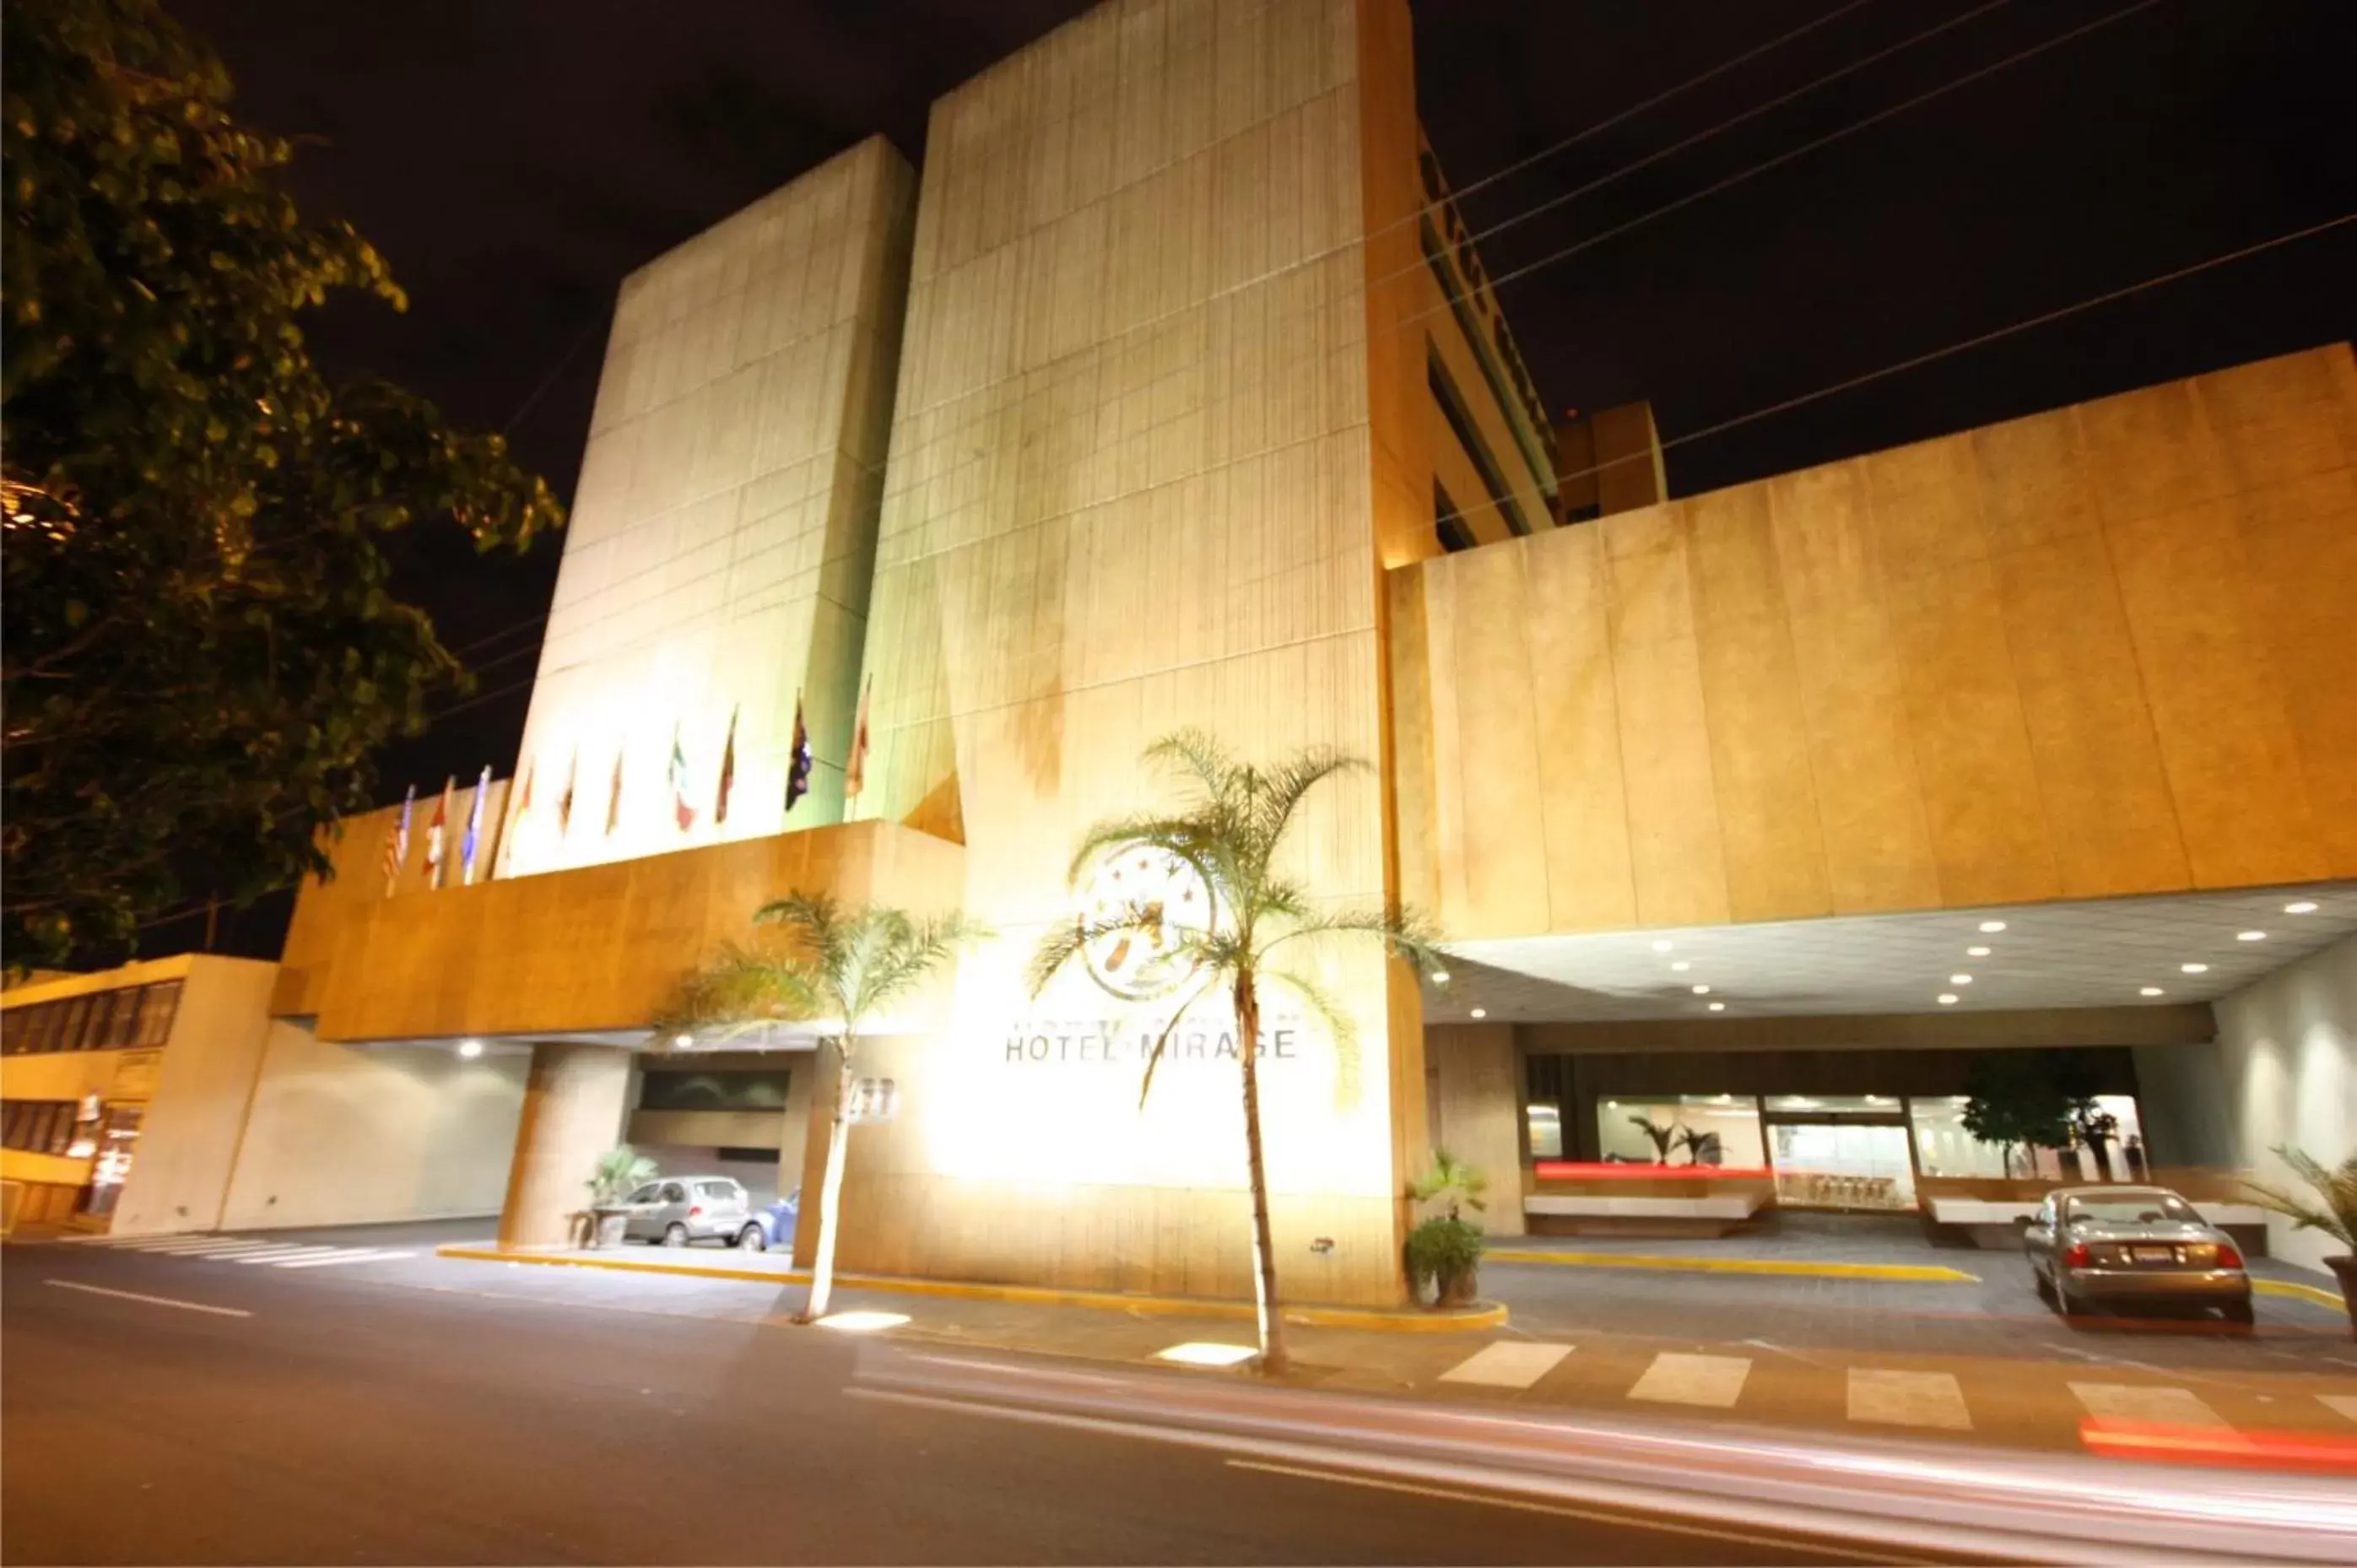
{"x":514,"y":160}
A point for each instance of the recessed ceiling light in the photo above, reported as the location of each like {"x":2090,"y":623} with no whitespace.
{"x":1960,"y":980}
{"x":1662,"y":944}
{"x":2150,"y":991}
{"x":1992,"y":927}
{"x":470,"y":1050}
{"x":2194,"y":968}
{"x":1718,"y":1006}
{"x":1682,"y":966}
{"x":682,"y":1041}
{"x":1481,"y":1012}
{"x":1947,"y":999}
{"x":1976,"y":952}
{"x":2250,"y":936}
{"x":2301,"y":906}
{"x":1439,"y":977}
{"x":1701,"y":991}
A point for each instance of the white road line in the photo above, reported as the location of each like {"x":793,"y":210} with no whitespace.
{"x":175,"y":1244}
{"x":151,"y":1300}
{"x":1908,"y":1399}
{"x":1675,"y":1378}
{"x":362,"y":1255}
{"x":227,"y":1250}
{"x":1508,"y":1364}
{"x":2141,"y":1402}
{"x":2345,"y":1403}
{"x":281,"y":1254}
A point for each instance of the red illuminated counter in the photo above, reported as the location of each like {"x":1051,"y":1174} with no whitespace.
{"x":1565,"y":1197}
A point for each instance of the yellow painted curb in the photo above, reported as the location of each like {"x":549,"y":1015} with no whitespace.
{"x":1921,"y":1272}
{"x":2298,"y":1291}
{"x":1487,"y":1316}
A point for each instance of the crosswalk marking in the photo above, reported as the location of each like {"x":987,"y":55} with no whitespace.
{"x":1908,"y":1399}
{"x":2345,"y":1403}
{"x":364,"y":1255}
{"x":278,"y":1254}
{"x":1509,"y":1364}
{"x":1676,"y":1379}
{"x":220,"y":1250}
{"x":176,"y":1244}
{"x":2139,"y":1402}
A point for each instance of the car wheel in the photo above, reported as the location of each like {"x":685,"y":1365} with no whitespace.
{"x":674,"y":1234}
{"x":2243,"y":1313}
{"x":751,"y":1240}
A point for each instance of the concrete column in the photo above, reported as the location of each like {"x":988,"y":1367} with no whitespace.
{"x":573,"y":1107}
{"x":1477,"y":1112}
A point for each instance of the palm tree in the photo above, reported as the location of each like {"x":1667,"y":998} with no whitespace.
{"x":1229,"y":828}
{"x":842,"y":967}
{"x":1453,"y":1183}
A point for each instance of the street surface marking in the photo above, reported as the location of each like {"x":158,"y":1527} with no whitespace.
{"x":152,"y":1300}
{"x":1802,"y":1268}
{"x":2345,"y":1403}
{"x":1633,"y":1521}
{"x":283,"y":1255}
{"x":225,"y":1249}
{"x":1675,"y":1378}
{"x":175,"y":1244}
{"x":362,"y":1255}
{"x":1509,"y":1364}
{"x":2315,"y":1295}
{"x":2142,"y":1402}
{"x":1908,"y":1399}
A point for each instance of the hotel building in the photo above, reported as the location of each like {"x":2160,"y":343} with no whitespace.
{"x":1170,"y":392}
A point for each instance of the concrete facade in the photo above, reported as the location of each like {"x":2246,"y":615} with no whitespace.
{"x":2288,"y":1050}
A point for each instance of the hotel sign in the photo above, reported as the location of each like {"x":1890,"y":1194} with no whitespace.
{"x":1119,"y":1042}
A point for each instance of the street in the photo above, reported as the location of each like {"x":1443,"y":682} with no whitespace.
{"x":338,"y":1420}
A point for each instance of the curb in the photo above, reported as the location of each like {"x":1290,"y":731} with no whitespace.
{"x":1488,"y":1315}
{"x":2298,"y":1291}
{"x":1928,"y":1273}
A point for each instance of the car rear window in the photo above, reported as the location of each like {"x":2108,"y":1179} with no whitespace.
{"x":716,"y":1188}
{"x":2133,"y":1208}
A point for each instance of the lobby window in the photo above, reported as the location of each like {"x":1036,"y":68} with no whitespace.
{"x":1685,"y":1130}
{"x":671,"y":1089}
{"x":1546,"y":1123}
{"x":40,"y":1126}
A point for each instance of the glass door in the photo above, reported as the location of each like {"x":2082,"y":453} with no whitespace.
{"x":1843,"y":1164}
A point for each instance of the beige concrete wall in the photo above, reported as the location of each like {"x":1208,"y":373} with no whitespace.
{"x":601,"y":948}
{"x":347,"y":1135}
{"x":204,"y":1085}
{"x":1476,"y":1109}
{"x":1129,"y":490}
{"x":574,"y":1106}
{"x":2097,"y":652}
{"x":2290,"y":1050}
{"x":722,"y":530}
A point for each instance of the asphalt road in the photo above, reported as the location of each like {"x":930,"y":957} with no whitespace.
{"x":337,"y":1421}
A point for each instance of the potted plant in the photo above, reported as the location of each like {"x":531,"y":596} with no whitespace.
{"x":2333,"y":1211}
{"x":621,"y":1171}
{"x":1446,"y":1249}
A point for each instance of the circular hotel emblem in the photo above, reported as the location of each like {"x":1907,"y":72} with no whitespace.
{"x":1169,"y":895}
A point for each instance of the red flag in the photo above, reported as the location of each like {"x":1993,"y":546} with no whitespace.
{"x":798,"y":759}
{"x":728,"y":772}
{"x":854,"y":772}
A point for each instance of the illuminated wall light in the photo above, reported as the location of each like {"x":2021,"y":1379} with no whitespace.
{"x":2300,"y":907}
{"x":1664,"y":944}
{"x":1947,"y":999}
{"x":2250,"y":936}
{"x":2150,"y":991}
{"x":470,"y":1050}
{"x":2194,"y":968}
{"x":1682,"y":965}
{"x":1992,"y":927}
{"x":1960,"y":980}
{"x":1477,"y":1012}
{"x":1718,"y":1006}
{"x":1205,"y":1353}
{"x":1701,"y":991}
{"x":1976,"y":952}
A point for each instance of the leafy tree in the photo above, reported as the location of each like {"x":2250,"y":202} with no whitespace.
{"x":202,"y":649}
{"x":1230,"y":827}
{"x":2015,"y":1098}
{"x":843,"y":967}
{"x":1453,"y":1183}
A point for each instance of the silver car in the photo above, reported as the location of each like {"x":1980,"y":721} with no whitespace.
{"x":2111,"y":1244}
{"x":684,"y":1208}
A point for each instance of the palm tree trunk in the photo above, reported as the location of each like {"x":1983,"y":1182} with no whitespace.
{"x":1273,"y":1357}
{"x":838,"y":1142}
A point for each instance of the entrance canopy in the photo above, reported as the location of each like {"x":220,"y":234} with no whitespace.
{"x":2161,"y":950}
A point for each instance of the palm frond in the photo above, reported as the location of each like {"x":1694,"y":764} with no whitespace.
{"x":2334,"y":1209}
{"x":1186,"y":837}
{"x":1283,"y":787}
{"x":1162,"y":1041}
{"x":1198,"y":760}
{"x":1349,"y":1073}
{"x":1406,"y":934}
{"x":739,"y":992}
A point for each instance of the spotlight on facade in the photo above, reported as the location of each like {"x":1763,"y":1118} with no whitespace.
{"x":1992,"y":927}
{"x":2300,"y":907}
{"x":1206,"y":1353}
{"x":862,"y":1322}
{"x":1947,"y":999}
{"x":1439,"y":977}
{"x":2150,"y":991}
{"x":1682,"y":965}
{"x":1481,"y":1012}
{"x":682,"y":1041}
{"x":2194,"y":968}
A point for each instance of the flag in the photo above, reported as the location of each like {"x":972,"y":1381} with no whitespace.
{"x":396,"y":840}
{"x":855,"y":771}
{"x":679,"y":802}
{"x":614,"y":796}
{"x":467,"y":845}
{"x":519,"y":808}
{"x":565,"y":801}
{"x":728,"y":772}
{"x":798,"y":760}
{"x":436,"y":833}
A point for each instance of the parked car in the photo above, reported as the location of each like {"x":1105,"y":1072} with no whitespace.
{"x":679,"y":1210}
{"x":2114,"y":1244}
{"x":771,"y":1225}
